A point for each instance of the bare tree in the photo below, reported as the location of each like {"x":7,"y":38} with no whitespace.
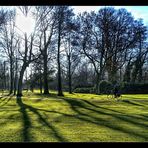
{"x":69,"y":46}
{"x":46,"y":23}
{"x":27,"y":56}
{"x":62,"y":15}
{"x":92,"y":44}
{"x":141,"y":50}
{"x":9,"y":43}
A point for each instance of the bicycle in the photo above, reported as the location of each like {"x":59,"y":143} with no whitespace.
{"x":118,"y":96}
{"x":111,"y":95}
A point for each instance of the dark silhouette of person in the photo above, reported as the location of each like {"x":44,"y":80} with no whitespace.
{"x":116,"y":91}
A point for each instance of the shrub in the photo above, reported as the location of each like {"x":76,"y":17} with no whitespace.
{"x":105,"y":86}
{"x":135,"y":88}
{"x":84,"y":90}
{"x":124,"y":88}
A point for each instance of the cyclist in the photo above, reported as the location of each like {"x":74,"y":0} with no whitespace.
{"x":116,"y":91}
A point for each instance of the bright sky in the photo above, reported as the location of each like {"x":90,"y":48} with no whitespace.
{"x":137,"y":11}
{"x":27,"y":24}
{"x":24,"y":24}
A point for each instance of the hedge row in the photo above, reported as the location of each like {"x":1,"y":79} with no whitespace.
{"x":85,"y":90}
{"x":125,"y":88}
{"x":135,"y":88}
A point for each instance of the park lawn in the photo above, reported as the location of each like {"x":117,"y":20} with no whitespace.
{"x":73,"y":118}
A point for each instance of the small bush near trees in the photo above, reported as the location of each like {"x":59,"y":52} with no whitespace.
{"x":105,"y":86}
{"x":85,"y":90}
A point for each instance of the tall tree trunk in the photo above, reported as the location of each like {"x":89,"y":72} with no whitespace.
{"x":20,"y":81}
{"x":8,"y":81}
{"x":16,"y":75}
{"x":46,"y":91}
{"x":69,"y":75}
{"x":40,"y":84}
{"x":11,"y":76}
{"x":15,"y":84}
{"x":60,"y":93}
{"x":45,"y":73}
{"x":5,"y":83}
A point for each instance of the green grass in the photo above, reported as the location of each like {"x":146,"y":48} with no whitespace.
{"x":73,"y":118}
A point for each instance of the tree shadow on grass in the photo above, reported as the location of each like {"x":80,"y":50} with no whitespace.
{"x":81,"y":103}
{"x":26,"y":120}
{"x":50,"y":96}
{"x":82,"y":107}
{"x":133,"y":103}
{"x":45,"y":122}
{"x":114,"y":111}
{"x":77,"y":104}
{"x":5,"y":100}
{"x":42,"y":120}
